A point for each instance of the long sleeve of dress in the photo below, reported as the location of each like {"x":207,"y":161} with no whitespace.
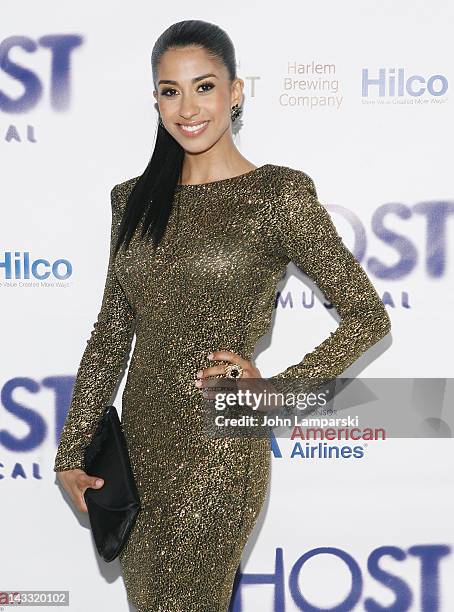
{"x":306,"y":234}
{"x":101,"y":364}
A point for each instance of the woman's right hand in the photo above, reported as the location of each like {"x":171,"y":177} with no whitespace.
{"x":76,"y":482}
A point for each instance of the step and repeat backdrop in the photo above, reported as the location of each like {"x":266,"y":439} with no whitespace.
{"x":355,"y":94}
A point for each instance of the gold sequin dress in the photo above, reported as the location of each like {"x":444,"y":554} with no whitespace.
{"x":210,"y":285}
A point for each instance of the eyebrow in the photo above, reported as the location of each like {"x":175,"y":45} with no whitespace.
{"x":194,"y":80}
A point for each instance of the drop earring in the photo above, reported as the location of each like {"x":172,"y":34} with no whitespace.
{"x":235,"y":112}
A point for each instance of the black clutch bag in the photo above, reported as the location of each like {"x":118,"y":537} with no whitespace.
{"x":114,"y":507}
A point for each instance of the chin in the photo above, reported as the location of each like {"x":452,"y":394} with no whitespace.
{"x":195,"y":145}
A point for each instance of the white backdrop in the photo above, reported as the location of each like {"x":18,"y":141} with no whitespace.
{"x":77,"y":117}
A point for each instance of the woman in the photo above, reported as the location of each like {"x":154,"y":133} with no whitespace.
{"x":198,"y":244}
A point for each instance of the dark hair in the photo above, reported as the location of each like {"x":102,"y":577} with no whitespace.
{"x":151,"y":198}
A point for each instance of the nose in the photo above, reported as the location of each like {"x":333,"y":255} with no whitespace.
{"x":188,"y":108}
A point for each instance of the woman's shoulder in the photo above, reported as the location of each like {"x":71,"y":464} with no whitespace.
{"x":122,"y":190}
{"x":288,"y":180}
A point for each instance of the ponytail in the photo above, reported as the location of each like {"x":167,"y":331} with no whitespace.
{"x":152,"y":196}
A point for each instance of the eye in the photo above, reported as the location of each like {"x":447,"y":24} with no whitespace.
{"x":164,"y":92}
{"x":207,"y":84}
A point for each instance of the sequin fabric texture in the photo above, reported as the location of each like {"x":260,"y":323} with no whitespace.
{"x":210,"y":285}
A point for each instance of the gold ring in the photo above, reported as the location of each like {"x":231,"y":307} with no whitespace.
{"x":233,"y":370}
